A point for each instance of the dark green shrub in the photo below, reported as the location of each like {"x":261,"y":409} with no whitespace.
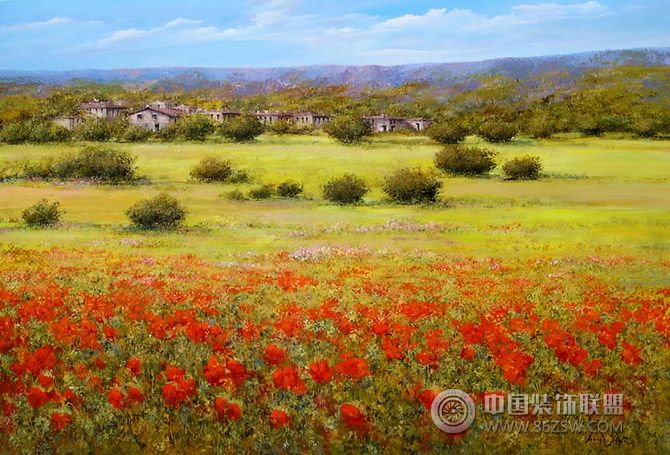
{"x":289,"y":189}
{"x":497,"y":131}
{"x":448,"y":132}
{"x":262,"y":192}
{"x":523,"y":168}
{"x":244,"y":128}
{"x":347,"y":189}
{"x":96,"y":130}
{"x":469,"y":161}
{"x":195,"y":127}
{"x":134,"y":133}
{"x":15,"y":133}
{"x":236,"y":195}
{"x":104,"y":164}
{"x":240,"y":176}
{"x":160,"y":212}
{"x":281,"y":127}
{"x":540,"y":127}
{"x":212,"y":170}
{"x":347,"y":129}
{"x":42,"y":214}
{"x":412,"y":186}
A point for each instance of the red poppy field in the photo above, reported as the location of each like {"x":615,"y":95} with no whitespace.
{"x":102,"y":351}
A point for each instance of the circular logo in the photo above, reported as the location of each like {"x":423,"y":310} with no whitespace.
{"x":453,"y":411}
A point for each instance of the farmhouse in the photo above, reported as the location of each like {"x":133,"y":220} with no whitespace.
{"x":69,"y":122}
{"x":153,"y":118}
{"x":382,"y":123}
{"x":221,"y":115}
{"x":107,"y":110}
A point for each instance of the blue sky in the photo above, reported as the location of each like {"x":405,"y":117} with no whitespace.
{"x":70,"y":34}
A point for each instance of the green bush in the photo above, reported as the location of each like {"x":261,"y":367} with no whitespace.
{"x":103,"y":164}
{"x":347,"y":129}
{"x":160,"y":212}
{"x":212,"y":170}
{"x":95,"y":130}
{"x":540,"y":127}
{"x":523,"y":168}
{"x":134,"y":133}
{"x":412,"y":186}
{"x":244,"y":128}
{"x":289,"y":189}
{"x":35,"y":131}
{"x":195,"y":127}
{"x":236,"y":195}
{"x":469,"y":161}
{"x":281,"y":127}
{"x":347,"y":189}
{"x":42,"y":214}
{"x":497,"y":131}
{"x":448,"y":132}
{"x":262,"y":192}
{"x":240,"y":176}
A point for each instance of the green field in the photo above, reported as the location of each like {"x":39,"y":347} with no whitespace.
{"x":598,"y":196}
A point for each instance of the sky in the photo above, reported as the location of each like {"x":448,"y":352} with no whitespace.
{"x":107,"y":34}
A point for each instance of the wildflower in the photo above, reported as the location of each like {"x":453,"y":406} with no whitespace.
{"x":287,"y":378}
{"x":353,"y":367}
{"x":115,"y":398}
{"x":352,"y":416}
{"x":37,"y":397}
{"x":60,"y":420}
{"x":135,"y":395}
{"x":428,"y":359}
{"x":133,"y":365}
{"x":427,"y":397}
{"x":468,"y":353}
{"x":279,"y":418}
{"x":631,"y":354}
{"x":320,"y":371}
{"x":274,"y":355}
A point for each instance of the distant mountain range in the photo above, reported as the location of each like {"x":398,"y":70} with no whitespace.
{"x":355,"y":76}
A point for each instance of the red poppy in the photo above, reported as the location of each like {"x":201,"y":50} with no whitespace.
{"x":427,"y":397}
{"x":468,"y":353}
{"x":352,"y":416}
{"x":274,"y":355}
{"x":287,"y":378}
{"x":320,"y":371}
{"x":428,"y":359}
{"x":135,"y":395}
{"x":631,"y":354}
{"x":279,"y":418}
{"x":134,"y":365}
{"x":115,"y":398}
{"x":353,"y":367}
{"x":60,"y":420}
{"x":37,"y":397}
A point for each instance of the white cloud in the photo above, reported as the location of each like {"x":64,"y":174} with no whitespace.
{"x":39,"y":24}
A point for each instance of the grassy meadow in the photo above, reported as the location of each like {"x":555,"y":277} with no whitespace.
{"x":597,"y":195}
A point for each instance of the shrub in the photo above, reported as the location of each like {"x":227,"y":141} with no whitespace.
{"x":236,"y":195}
{"x":540,"y":127}
{"x":289,"y":189}
{"x":281,"y":127}
{"x":497,"y":131}
{"x":134,"y":133}
{"x":447,"y":132}
{"x":195,"y":127}
{"x":412,"y":186}
{"x":105,"y":164}
{"x":347,"y":189}
{"x":160,"y":212}
{"x":459,"y":160}
{"x":262,"y":192}
{"x":240,"y":176}
{"x":212,"y":170}
{"x":97,"y":130}
{"x":347,"y":129}
{"x":15,"y":133}
{"x":523,"y":168}
{"x":244,"y":128}
{"x":42,"y":214}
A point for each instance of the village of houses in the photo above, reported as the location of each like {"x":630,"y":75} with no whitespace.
{"x":158,"y":115}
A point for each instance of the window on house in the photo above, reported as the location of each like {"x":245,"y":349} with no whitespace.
{"x":140,"y":116}
{"x":154,"y":116}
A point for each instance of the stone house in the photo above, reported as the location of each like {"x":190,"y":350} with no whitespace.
{"x":418,"y":124}
{"x":107,"y":110}
{"x":221,"y":115}
{"x":270,"y":117}
{"x":383,"y":123}
{"x":153,"y":118}
{"x":69,"y":122}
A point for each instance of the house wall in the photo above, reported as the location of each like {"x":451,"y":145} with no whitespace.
{"x":150,"y":120}
{"x":69,"y":123}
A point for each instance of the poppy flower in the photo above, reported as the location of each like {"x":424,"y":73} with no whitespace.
{"x":115,"y":398}
{"x":320,"y":371}
{"x":274,"y":355}
{"x":134,"y":365}
{"x":279,"y":418}
{"x":60,"y":420}
{"x":352,"y":416}
{"x":37,"y":397}
{"x":287,"y":378}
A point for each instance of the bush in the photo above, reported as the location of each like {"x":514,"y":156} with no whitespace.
{"x":470,"y":161}
{"x":447,"y":132}
{"x":262,"y":192}
{"x":160,"y":212}
{"x":36,"y":131}
{"x":96,"y":130}
{"x":42,"y":214}
{"x":244,"y":128}
{"x":412,"y":186}
{"x":104,"y":164}
{"x":540,"y":127}
{"x":497,"y":131}
{"x":281,"y":127}
{"x":212,"y":170}
{"x":195,"y":127}
{"x":236,"y":195}
{"x":134,"y":133}
{"x":240,"y":176}
{"x":289,"y":189}
{"x":347,"y":189}
{"x":523,"y":168}
{"x":347,"y":129}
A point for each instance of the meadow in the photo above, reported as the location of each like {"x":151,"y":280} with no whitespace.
{"x":296,"y":326}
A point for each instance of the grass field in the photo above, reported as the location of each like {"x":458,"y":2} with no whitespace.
{"x":298,"y":326}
